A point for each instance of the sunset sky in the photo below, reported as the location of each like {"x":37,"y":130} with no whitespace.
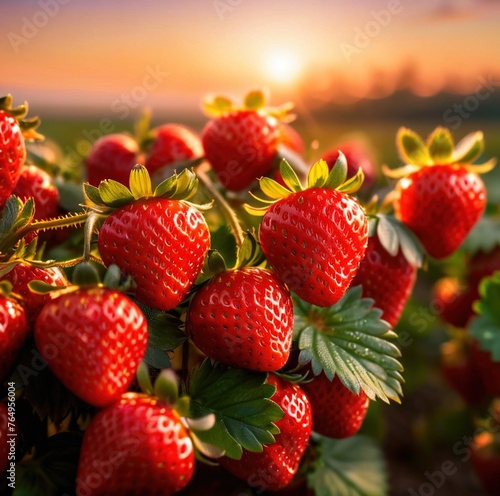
{"x":95,"y":54}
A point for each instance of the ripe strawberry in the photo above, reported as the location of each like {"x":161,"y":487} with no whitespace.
{"x":161,"y":243}
{"x":22,"y":274}
{"x":93,"y":339}
{"x":485,"y":458}
{"x":388,"y":279}
{"x":13,"y":332}
{"x":4,"y":447}
{"x":313,"y":238}
{"x":453,"y":300}
{"x":358,"y":156}
{"x":240,"y":146}
{"x":460,"y":372}
{"x":337,"y":412}
{"x":111,"y":157}
{"x":136,"y":446}
{"x":243,"y":318}
{"x":483,"y":264}
{"x":172,"y":144}
{"x":274,"y":468}
{"x":440,"y":197}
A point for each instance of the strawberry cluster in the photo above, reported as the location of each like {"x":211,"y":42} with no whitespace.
{"x":213,"y":299}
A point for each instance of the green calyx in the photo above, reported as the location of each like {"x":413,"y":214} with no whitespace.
{"x":218,"y":105}
{"x":28,"y":126}
{"x":319,"y":176}
{"x":112,"y":194}
{"x":438,"y":149}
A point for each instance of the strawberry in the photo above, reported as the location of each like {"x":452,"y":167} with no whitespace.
{"x":485,"y":459}
{"x":172,"y":144}
{"x":290,"y":138}
{"x":13,"y":332}
{"x":93,"y":339}
{"x":243,"y":318}
{"x":358,"y":156}
{"x":487,"y":369}
{"x":111,"y":157}
{"x":483,"y":264}
{"x":241,"y":143}
{"x":387,"y":278}
{"x":161,"y":243}
{"x":22,"y":274}
{"x":453,"y":300}
{"x":440,"y":195}
{"x":275,"y":467}
{"x":313,"y":238}
{"x":136,"y":446}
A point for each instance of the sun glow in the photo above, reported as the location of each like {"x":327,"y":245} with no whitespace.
{"x":282,"y":67}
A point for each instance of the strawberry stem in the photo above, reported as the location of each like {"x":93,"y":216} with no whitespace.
{"x":227,"y":211}
{"x":184,"y":375}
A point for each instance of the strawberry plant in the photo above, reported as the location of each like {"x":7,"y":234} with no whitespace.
{"x":223,"y":314}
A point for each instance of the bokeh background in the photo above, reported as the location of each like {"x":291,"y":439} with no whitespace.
{"x":366,"y":68}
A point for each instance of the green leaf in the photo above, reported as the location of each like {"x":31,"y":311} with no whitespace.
{"x":140,"y":182}
{"x":9,"y":214}
{"x":71,"y":196}
{"x":469,"y":148}
{"x":216,"y":105}
{"x":289,"y":176}
{"x":240,"y":400}
{"x":92,"y":194}
{"x":387,"y":235}
{"x":114,"y":194}
{"x":273,"y":189}
{"x":25,"y":215}
{"x":411,"y":148}
{"x":440,"y":145}
{"x":179,"y":186}
{"x":166,"y":386}
{"x":486,"y":326}
{"x":349,"y":467}
{"x":164,"y":334}
{"x":249,"y":253}
{"x":338,"y":174}
{"x":318,"y":175}
{"x":484,"y":236}
{"x":255,"y":100}
{"x":350,"y":340}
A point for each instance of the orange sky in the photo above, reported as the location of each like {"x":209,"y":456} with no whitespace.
{"x":168,"y":53}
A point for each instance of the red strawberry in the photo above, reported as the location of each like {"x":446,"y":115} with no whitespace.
{"x":13,"y":332}
{"x":483,"y":264}
{"x":22,"y":274}
{"x":275,"y":467}
{"x":4,"y":447}
{"x":314,"y":240}
{"x":459,"y":370}
{"x":488,"y":370}
{"x":243,"y":318}
{"x":453,"y":300}
{"x":440,"y":197}
{"x":161,"y":243}
{"x":290,"y":138}
{"x":12,"y":154}
{"x":93,"y":339}
{"x":136,"y":446}
{"x":241,"y":147}
{"x":388,"y":279}
{"x":485,"y":458}
{"x":111,"y":157}
{"x":358,"y":156}
{"x":172,"y":144}
{"x":337,"y":412}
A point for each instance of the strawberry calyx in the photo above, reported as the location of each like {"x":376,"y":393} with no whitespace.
{"x":319,"y":176}
{"x":438,"y":150}
{"x":217,"y":105}
{"x":28,"y":126}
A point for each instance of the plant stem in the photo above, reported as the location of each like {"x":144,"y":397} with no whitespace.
{"x":227,"y":211}
{"x":185,"y":367}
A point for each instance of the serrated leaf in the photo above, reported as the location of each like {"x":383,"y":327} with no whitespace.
{"x":411,"y":148}
{"x":114,"y":194}
{"x":440,"y":145}
{"x":240,"y":400}
{"x":349,"y":467}
{"x":318,"y":175}
{"x":350,"y":340}
{"x":486,"y":326}
{"x":338,"y":174}
{"x":140,"y":182}
{"x":255,"y":100}
{"x":469,"y":148}
{"x":387,"y":235}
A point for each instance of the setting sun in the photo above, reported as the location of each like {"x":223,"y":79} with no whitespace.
{"x":282,"y":67}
